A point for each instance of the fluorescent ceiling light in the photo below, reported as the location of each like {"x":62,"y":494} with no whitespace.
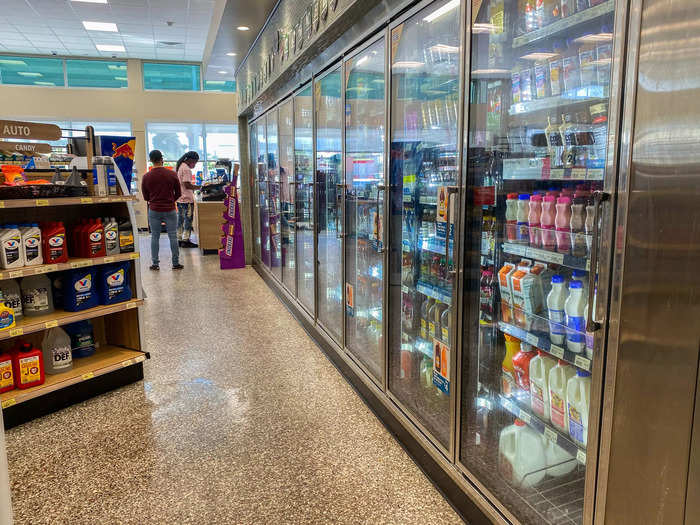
{"x":91,"y":1}
{"x":118,"y":68}
{"x":9,"y":62}
{"x":362,"y":60}
{"x":243,"y":28}
{"x":444,"y":48}
{"x":222,"y":72}
{"x":100,"y":26}
{"x":29,"y":74}
{"x":449,"y":6}
{"x":231,"y":54}
{"x":408,"y":63}
{"x":110,"y":47}
{"x":38,"y":83}
{"x":485,"y":28}
{"x":540,"y":56}
{"x":124,"y":79}
{"x":216,"y":82}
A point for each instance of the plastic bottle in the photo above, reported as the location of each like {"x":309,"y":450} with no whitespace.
{"x":558,"y":379}
{"x":522,"y":228}
{"x":540,"y":367}
{"x":7,"y":377}
{"x":31,"y":245}
{"x":578,"y":227}
{"x":559,"y":461}
{"x":424,"y":317}
{"x":11,"y":252}
{"x":547,"y":223}
{"x":507,"y":367}
{"x":578,"y":395}
{"x":562,"y":222}
{"x":7,"y":315}
{"x":114,"y":283}
{"x":111,"y":229}
{"x":28,"y":366}
{"x":533,"y":220}
{"x":12,"y":297}
{"x":575,"y":308}
{"x":556,"y":303}
{"x":445,"y":326}
{"x":431,"y":320}
{"x":521,"y":459}
{"x":94,"y":240}
{"x":521,"y":365}
{"x":37,"y":296}
{"x":58,"y":356}
{"x":590,"y":219}
{"x":126,"y":237}
{"x":54,"y":243}
{"x":511,"y":217}
{"x":82,"y":339}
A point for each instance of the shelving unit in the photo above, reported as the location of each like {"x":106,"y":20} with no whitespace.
{"x":65,"y":201}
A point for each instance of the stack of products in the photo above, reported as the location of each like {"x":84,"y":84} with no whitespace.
{"x":232,"y":254}
{"x":15,"y":184}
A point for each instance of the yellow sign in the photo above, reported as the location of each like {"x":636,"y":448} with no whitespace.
{"x":51,"y":324}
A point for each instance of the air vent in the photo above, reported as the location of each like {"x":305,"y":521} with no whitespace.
{"x":170,"y":45}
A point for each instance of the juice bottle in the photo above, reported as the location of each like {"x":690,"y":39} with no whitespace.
{"x":522,"y":228}
{"x":575,"y":308}
{"x":556,"y":301}
{"x":547,"y":223}
{"x":533,"y":220}
{"x":558,"y":379}
{"x":540,"y":367}
{"x":562,"y":222}
{"x":507,"y":368}
{"x":7,"y":377}
{"x":511,"y":217}
{"x":28,"y":366}
{"x":578,"y":395}
{"x":521,"y":365}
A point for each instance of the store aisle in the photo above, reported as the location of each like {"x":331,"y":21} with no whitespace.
{"x":241,"y":419}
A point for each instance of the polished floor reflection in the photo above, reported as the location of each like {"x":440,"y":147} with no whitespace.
{"x":241,"y":419}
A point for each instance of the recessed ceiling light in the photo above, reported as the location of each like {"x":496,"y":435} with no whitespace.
{"x":100,"y":26}
{"x":29,"y":74}
{"x":230,"y":54}
{"x":91,"y":1}
{"x":110,"y":47}
{"x":10,"y":62}
{"x":118,"y":68}
{"x":243,"y":28}
{"x":44,"y":83}
{"x":222,"y":72}
{"x":123,"y":79}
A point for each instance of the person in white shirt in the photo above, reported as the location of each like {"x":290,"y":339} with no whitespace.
{"x":185,"y":204}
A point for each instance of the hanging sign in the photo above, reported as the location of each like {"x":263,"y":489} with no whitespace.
{"x":28,"y":148}
{"x":14,"y":129}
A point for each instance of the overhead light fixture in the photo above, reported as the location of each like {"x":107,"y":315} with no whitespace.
{"x":243,"y":28}
{"x":231,"y":54}
{"x":444,"y":48}
{"x":110,"y":47}
{"x":123,"y":79}
{"x":449,"y":6}
{"x":100,"y":26}
{"x":540,"y":56}
{"x":408,"y":64}
{"x":29,"y":74}
{"x":216,"y":82}
{"x":91,"y":1}
{"x":362,"y":60}
{"x":10,"y":62}
{"x":485,"y":28}
{"x":222,"y":72}
{"x":117,"y":68}
{"x":38,"y":83}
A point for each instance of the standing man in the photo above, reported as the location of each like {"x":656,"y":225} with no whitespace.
{"x":160,"y":188}
{"x":185,"y":204}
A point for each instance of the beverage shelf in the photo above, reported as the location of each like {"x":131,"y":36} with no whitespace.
{"x":30,"y":325}
{"x":543,"y":343}
{"x":105,"y":360}
{"x":436,"y":292}
{"x":433,"y":245}
{"x":590,"y":95}
{"x":565,"y":24}
{"x":70,"y":265}
{"x":65,"y":201}
{"x":548,"y":431}
{"x":577,"y":263}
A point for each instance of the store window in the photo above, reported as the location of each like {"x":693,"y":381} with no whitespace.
{"x":172,"y":77}
{"x":96,"y":74}
{"x":228,"y":86}
{"x":31,"y":71}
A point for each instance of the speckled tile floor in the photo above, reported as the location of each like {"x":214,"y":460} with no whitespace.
{"x":240,"y":419}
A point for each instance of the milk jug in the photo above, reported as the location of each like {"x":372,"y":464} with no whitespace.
{"x":559,"y":461}
{"x":575,"y":308}
{"x":539,"y":384}
{"x":578,"y":395}
{"x":56,"y":347}
{"x":12,"y":296}
{"x":558,"y":378}
{"x":111,"y":229}
{"x":11,"y":247}
{"x":556,"y":300}
{"x":521,"y":459}
{"x":31,"y":245}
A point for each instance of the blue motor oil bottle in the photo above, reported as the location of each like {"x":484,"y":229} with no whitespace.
{"x":82,"y":339}
{"x":79,"y":290}
{"x":115,"y":285}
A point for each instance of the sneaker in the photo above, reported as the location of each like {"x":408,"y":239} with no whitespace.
{"x":154,"y":267}
{"x":189,"y":244}
{"x":177,"y":267}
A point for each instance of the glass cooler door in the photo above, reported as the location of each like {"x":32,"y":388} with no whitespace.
{"x":424,"y":174}
{"x":287,"y":191}
{"x":365,"y":138}
{"x":255,"y":192}
{"x":273,"y":183}
{"x":537,"y":142}
{"x":329,"y":195}
{"x":263,"y":194}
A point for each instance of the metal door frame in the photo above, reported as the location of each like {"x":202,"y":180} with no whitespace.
{"x":274,"y":109}
{"x":255,"y":190}
{"x":287,"y":100}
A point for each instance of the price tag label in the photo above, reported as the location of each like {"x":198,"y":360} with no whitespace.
{"x":86,"y":200}
{"x":108,"y":259}
{"x":88,"y":375}
{"x":578,"y":173}
{"x":128,"y":362}
{"x":9,"y":402}
{"x":582,"y":362}
{"x":556,"y":351}
{"x":42,"y":202}
{"x":581,"y":457}
{"x":16,"y":273}
{"x":50,"y":268}
{"x":544,"y":255}
{"x":550,"y":434}
{"x":525,"y":416}
{"x":134,"y":255}
{"x":51,"y":324}
{"x":16,"y":331}
{"x":103,"y":199}
{"x":2,"y":204}
{"x":140,"y":359}
{"x":532,"y":339}
{"x":129,"y":306}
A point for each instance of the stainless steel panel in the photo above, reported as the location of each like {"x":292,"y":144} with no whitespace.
{"x":653,"y":382}
{"x":692,"y":505}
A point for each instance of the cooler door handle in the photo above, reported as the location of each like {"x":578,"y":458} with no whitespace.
{"x":450,"y":191}
{"x":381,"y":188}
{"x":598,"y":198}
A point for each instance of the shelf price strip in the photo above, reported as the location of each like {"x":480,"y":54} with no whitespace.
{"x":578,"y":263}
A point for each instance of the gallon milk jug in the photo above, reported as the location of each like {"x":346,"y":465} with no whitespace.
{"x":578,"y":395}
{"x":575,"y":309}
{"x":111,"y":236}
{"x":7,"y":377}
{"x":57,"y":351}
{"x":11,"y":255}
{"x":521,"y":459}
{"x":539,"y":384}
{"x":12,"y":296}
{"x":31,"y":245}
{"x":559,"y":461}
{"x":558,"y":378}
{"x":556,"y":301}
{"x":37,"y":296}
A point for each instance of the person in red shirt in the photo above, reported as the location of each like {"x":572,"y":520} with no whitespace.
{"x":161,"y":188}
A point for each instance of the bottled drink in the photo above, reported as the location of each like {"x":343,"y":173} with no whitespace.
{"x":522,"y":230}
{"x":558,"y":378}
{"x":533,"y":219}
{"x":521,"y":365}
{"x":445,"y":325}
{"x":556,"y":301}
{"x":486,"y":296}
{"x":562,"y":222}
{"x":425,"y":266}
{"x":507,"y":367}
{"x":511,"y":217}
{"x":575,"y":308}
{"x":547,"y":223}
{"x":578,"y":395}
{"x":578,"y":227}
{"x":435,"y":270}
{"x":441,"y":308}
{"x":431,"y":319}
{"x":540,"y":367}
{"x":424,"y":317}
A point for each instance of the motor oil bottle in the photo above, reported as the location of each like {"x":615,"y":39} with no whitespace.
{"x":58,"y":356}
{"x":28,"y":366}
{"x":54,"y":243}
{"x":114,"y":283}
{"x":126,"y":237}
{"x":37,"y":295}
{"x":82,"y":339}
{"x":12,"y":297}
{"x":111,"y":231}
{"x":79,"y":290}
{"x":11,"y":255}
{"x":7,"y":376}
{"x":31,"y":245}
{"x":95,"y":239}
{"x":75,"y":236}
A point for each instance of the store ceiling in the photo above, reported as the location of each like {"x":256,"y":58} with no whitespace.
{"x":182,"y":30}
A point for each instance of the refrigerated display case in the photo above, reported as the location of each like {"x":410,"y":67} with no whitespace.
{"x":424,"y":173}
{"x":287,"y":195}
{"x":263,"y":193}
{"x":328,"y":107}
{"x":273,"y":184}
{"x":539,"y":98}
{"x":253,"y":134}
{"x":304,"y":198}
{"x":365,"y":140}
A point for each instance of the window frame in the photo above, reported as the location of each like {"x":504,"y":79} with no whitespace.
{"x":175,"y":63}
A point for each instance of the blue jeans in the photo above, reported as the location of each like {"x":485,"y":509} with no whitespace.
{"x":170,"y":219}
{"x":185,"y":213}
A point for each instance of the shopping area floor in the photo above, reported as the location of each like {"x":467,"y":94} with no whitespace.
{"x":240,"y":419}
